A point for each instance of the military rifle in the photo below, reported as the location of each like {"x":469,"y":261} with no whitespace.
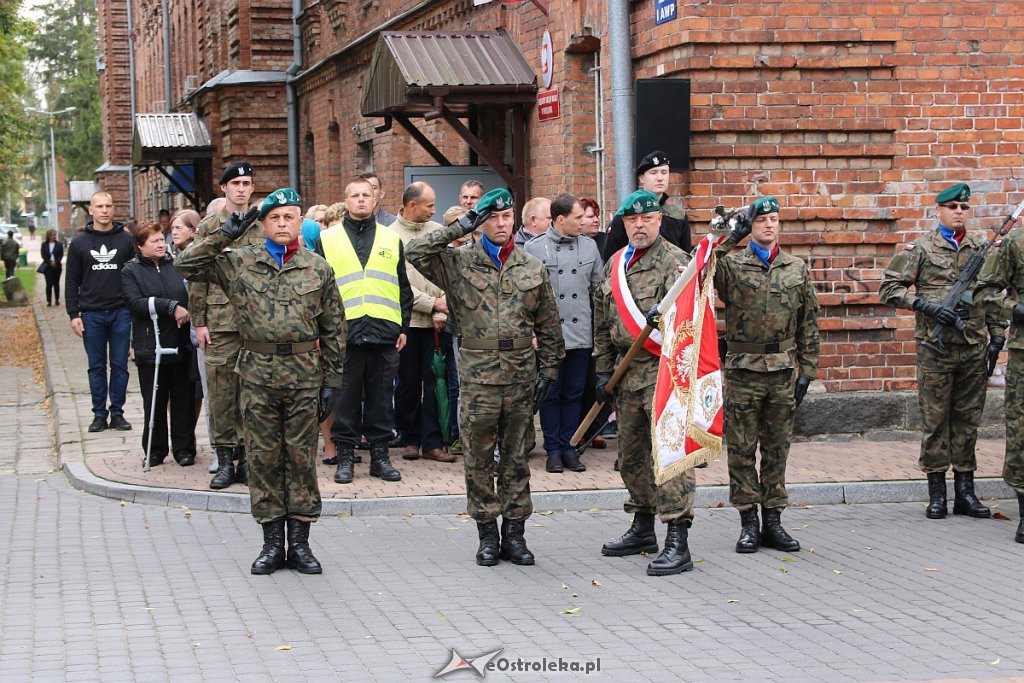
{"x":960,"y":293}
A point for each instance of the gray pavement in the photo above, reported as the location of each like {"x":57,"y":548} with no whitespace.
{"x":93,"y":589}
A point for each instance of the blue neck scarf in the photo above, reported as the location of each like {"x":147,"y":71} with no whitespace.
{"x":277,"y":251}
{"x":762,"y":254}
{"x":947,"y":234}
{"x":491,"y":249}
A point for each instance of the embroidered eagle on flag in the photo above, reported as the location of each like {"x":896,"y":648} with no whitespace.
{"x":688,"y":398}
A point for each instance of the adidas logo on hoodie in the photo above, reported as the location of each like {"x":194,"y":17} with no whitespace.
{"x":103,"y":258}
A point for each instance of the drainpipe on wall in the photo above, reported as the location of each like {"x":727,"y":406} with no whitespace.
{"x":289,"y":89}
{"x":167,"y":57}
{"x":623,"y":122}
{"x":131,"y":98}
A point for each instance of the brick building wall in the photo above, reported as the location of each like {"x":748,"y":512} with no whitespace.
{"x":112,"y":26}
{"x":854,"y":114}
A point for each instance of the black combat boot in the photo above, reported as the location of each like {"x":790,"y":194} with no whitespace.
{"x":242,"y":468}
{"x":936,"y":496}
{"x":513,"y":544}
{"x":675,"y":557}
{"x":639,"y":538}
{"x":487,"y":554}
{"x":380,"y":463}
{"x":773,"y":535}
{"x":964,"y":501}
{"x":271,"y":558}
{"x":750,"y":532}
{"x":300,"y":557}
{"x":343,"y":475}
{"x":1020,"y":525}
{"x":225,"y":476}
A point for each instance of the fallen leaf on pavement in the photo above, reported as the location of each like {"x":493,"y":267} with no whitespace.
{"x":575,"y":595}
{"x":594,"y":510}
{"x":994,"y":661}
{"x":596,"y":583}
{"x":783,"y":570}
{"x":122,"y":503}
{"x":811,"y":551}
{"x":1000,"y":515}
{"x":805,"y":506}
{"x":730,"y":601}
{"x":548,"y":512}
{"x":836,"y":571}
{"x":789,"y":559}
{"x":574,"y":610}
{"x":282,"y":647}
{"x":565,"y":587}
{"x":720,"y":504}
{"x":931,"y":569}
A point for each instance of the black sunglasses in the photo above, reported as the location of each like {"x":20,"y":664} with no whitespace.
{"x":954,"y":207}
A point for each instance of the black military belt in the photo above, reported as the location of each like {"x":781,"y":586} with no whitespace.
{"x":282,"y":349}
{"x":504,"y":344}
{"x":770,"y":347}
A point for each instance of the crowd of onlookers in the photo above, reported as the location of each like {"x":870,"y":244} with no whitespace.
{"x":125,"y":298}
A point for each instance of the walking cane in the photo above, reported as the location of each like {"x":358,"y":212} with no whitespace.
{"x":160,"y":351}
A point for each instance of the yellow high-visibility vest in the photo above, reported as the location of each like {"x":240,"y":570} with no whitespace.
{"x":371,"y":291}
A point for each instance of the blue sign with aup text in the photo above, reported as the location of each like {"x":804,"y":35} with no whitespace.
{"x":664,"y":10}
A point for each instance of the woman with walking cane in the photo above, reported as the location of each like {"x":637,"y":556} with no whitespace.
{"x":151,"y":275}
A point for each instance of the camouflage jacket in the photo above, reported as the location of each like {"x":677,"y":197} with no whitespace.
{"x":208,"y":304}
{"x":765,"y":305}
{"x":514,"y":302}
{"x":296,"y":303}
{"x":649,"y":279}
{"x":1001,"y":284}
{"x":931,"y":265}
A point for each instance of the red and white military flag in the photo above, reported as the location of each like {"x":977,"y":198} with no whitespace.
{"x":687,"y":421}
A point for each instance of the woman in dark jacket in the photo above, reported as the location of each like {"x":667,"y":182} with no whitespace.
{"x":52,"y":252}
{"x":151,"y":273}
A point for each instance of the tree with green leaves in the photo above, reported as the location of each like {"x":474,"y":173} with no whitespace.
{"x":15,"y":127}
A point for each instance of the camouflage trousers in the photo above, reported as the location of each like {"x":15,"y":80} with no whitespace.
{"x":222,"y":382}
{"x":951,"y":393}
{"x":497,"y":413}
{"x":673,"y":500}
{"x":759,"y":409}
{"x":1013,"y":465}
{"x":280,"y":435}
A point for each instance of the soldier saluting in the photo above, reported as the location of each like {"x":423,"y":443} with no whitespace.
{"x":502,"y":299}
{"x":286,"y":301}
{"x":771,"y":320}
{"x":950,"y":386}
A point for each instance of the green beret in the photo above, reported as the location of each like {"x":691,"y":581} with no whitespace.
{"x":959,"y":192}
{"x":286,"y":196}
{"x":495,"y":200}
{"x":639,"y":202}
{"x":766,"y":205}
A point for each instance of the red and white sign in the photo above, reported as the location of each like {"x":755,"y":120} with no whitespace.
{"x":547,"y":60}
{"x":547,"y":105}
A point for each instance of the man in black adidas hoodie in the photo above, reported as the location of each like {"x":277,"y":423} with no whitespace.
{"x":97,"y":308}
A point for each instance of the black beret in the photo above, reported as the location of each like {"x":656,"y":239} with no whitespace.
{"x":236,"y":170}
{"x":652,"y":160}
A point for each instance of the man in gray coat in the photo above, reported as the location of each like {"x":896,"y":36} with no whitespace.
{"x":574,"y":264}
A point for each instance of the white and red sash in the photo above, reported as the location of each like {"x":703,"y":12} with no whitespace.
{"x":632,"y":317}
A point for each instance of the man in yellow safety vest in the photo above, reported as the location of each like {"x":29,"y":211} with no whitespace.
{"x":369,"y":268}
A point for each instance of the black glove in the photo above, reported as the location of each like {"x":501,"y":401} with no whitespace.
{"x":541,"y":393}
{"x":654,"y":318}
{"x":1018,"y":313}
{"x":326,"y":404}
{"x":600,"y":394}
{"x":943,"y":314}
{"x":471,"y":220}
{"x":801,"y":389}
{"x":238,"y":222}
{"x":995,"y":345}
{"x":743,"y":223}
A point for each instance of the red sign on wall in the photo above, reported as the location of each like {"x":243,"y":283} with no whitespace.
{"x":547,"y":105}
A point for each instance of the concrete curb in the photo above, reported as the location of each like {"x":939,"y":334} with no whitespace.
{"x":831,"y":493}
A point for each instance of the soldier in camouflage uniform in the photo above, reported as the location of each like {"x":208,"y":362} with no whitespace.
{"x":286,"y":301}
{"x":1001,"y":291}
{"x":652,"y":265}
{"x":217,"y":332}
{"x":502,"y":299}
{"x":951,"y":387}
{"x":771,"y":319}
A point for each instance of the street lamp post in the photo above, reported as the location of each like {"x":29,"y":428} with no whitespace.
{"x":53,"y":159}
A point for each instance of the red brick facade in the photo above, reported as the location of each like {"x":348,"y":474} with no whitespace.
{"x":852,"y":113}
